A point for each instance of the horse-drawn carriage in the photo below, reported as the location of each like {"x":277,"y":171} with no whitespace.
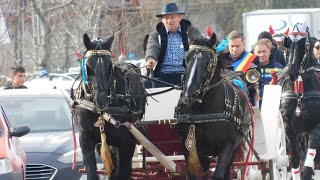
{"x":159,"y":117}
{"x":205,"y":128}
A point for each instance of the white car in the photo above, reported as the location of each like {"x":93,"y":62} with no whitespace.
{"x":73,"y":75}
{"x":53,"y":81}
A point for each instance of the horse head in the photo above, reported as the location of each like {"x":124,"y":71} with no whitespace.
{"x":200,"y":64}
{"x":97,"y":69}
{"x":299,"y":51}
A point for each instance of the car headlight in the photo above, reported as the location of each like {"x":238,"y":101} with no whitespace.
{"x":5,"y":166}
{"x":67,"y":158}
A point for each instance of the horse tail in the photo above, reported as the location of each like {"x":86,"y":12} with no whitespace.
{"x":105,"y":154}
{"x":194,"y":165}
{"x":239,"y":152}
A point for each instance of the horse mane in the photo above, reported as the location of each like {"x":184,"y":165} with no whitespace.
{"x":308,"y":60}
{"x":204,"y":41}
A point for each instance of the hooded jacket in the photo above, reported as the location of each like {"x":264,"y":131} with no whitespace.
{"x":266,"y":76}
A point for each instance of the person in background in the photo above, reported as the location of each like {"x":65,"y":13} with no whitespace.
{"x":18,"y":75}
{"x":166,"y":47}
{"x":316,"y":56}
{"x":316,"y":52}
{"x":262,"y":49}
{"x":278,"y":40}
{"x":43,"y":73}
{"x":238,"y":59}
{"x":277,"y":53}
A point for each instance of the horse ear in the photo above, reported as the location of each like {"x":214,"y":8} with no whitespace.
{"x":108,"y":42}
{"x":212,"y":41}
{"x":87,"y":41}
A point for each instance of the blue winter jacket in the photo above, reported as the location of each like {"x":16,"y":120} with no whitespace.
{"x":266,"y":76}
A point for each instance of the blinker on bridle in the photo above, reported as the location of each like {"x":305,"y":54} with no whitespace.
{"x":88,"y":54}
{"x":307,"y":47}
{"x":210,"y":68}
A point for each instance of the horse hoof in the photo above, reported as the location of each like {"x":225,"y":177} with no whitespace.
{"x":307,"y":173}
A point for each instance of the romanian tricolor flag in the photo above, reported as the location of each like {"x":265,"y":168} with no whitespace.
{"x":244,"y":63}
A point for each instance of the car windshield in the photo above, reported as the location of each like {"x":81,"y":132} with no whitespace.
{"x":42,"y":114}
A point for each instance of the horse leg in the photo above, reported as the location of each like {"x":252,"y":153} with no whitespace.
{"x":125,"y":153}
{"x":295,"y":153}
{"x":205,"y":163}
{"x":190,"y":176}
{"x":87,"y":147}
{"x":115,"y":162}
{"x":314,"y":145}
{"x":227,"y":174}
{"x":224,"y":163}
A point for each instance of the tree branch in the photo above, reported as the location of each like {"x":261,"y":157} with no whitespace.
{"x":38,"y":11}
{"x":58,"y":7}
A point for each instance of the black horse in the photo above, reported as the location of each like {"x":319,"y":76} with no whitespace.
{"x":300,"y":104}
{"x":106,"y":89}
{"x":213,"y":113}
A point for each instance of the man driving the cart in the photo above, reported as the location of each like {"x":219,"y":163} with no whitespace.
{"x":167,"y":46}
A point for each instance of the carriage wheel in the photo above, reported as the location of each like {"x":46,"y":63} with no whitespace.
{"x":279,"y":164}
{"x":253,"y":171}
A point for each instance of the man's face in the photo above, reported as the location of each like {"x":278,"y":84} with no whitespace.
{"x":236,"y":47}
{"x":263,"y":52}
{"x":172,"y":22}
{"x":18,"y":79}
{"x":268,"y":42}
{"x":316,"y":50}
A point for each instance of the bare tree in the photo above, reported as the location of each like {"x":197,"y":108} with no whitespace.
{"x":43,"y":10}
{"x":57,"y":26}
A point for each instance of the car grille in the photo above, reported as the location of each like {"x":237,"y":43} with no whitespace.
{"x":40,"y":171}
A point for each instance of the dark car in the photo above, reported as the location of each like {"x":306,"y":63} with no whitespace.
{"x":49,"y":145}
{"x":12,"y":156}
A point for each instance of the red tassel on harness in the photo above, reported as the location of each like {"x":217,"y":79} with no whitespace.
{"x":298,"y":85}
{"x":113,"y":55}
{"x":274,"y":79}
{"x":209,"y":31}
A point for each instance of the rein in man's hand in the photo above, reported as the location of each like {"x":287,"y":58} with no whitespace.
{"x":151,"y":63}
